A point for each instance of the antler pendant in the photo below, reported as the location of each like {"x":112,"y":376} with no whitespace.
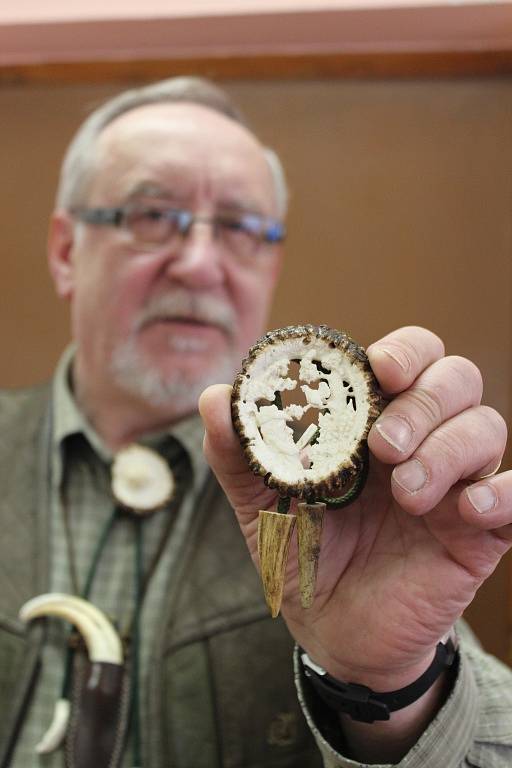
{"x":310,"y":520}
{"x":274,"y":533}
{"x":292,"y":377}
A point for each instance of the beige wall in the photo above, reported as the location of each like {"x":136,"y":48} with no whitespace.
{"x":401,"y":214}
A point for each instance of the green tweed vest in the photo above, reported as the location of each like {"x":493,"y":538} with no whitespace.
{"x":221,"y":693}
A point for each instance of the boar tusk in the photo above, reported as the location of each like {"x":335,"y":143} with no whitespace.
{"x":101,"y":639}
{"x":57,"y":728}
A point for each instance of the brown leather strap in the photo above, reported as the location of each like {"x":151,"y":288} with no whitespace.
{"x":99,"y":720}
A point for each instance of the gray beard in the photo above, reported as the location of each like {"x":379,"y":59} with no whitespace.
{"x":180,"y":393}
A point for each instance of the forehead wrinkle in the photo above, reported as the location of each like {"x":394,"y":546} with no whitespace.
{"x":186,"y":188}
{"x":184,"y":158}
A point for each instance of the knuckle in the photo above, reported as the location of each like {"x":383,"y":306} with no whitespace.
{"x":451,"y":447}
{"x":446,"y":388}
{"x":460,"y":445}
{"x":467,"y":373}
{"x":424,"y":335}
{"x":429,"y":402}
{"x":496,"y":420}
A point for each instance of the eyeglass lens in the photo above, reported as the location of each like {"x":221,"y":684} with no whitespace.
{"x":154,"y":227}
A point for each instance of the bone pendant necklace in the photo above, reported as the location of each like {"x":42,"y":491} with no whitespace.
{"x":308,"y":441}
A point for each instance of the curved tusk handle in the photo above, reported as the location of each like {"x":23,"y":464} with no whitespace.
{"x":102,"y":641}
{"x":57,"y":729}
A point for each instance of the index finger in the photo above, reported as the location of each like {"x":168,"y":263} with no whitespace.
{"x":398,"y":358}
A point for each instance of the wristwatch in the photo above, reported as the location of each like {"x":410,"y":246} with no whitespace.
{"x":367,"y":706}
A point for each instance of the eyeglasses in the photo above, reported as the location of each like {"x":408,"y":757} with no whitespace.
{"x":152,"y":227}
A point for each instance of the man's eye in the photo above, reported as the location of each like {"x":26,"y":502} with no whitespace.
{"x":249,"y":225}
{"x":235,"y":225}
{"x":154,"y":214}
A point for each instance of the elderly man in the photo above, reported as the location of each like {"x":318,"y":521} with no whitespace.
{"x":166,"y":241}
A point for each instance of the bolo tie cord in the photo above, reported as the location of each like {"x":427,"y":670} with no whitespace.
{"x":135,"y":644}
{"x":140,"y":584}
{"x":135,"y":690}
{"x":84,"y":593}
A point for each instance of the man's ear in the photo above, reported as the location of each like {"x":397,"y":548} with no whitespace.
{"x":61,"y":235}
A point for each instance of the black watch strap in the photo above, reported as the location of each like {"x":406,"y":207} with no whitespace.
{"x":367,"y":706}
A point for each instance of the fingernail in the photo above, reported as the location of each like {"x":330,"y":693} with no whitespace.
{"x":410,"y":476}
{"x":493,"y":468}
{"x":482,"y":497}
{"x":396,"y":431}
{"x":399,"y":357}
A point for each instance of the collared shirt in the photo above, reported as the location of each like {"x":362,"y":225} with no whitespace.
{"x":81,"y":504}
{"x":473,"y":729}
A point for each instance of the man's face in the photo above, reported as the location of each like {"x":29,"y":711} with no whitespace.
{"x":162,"y":324}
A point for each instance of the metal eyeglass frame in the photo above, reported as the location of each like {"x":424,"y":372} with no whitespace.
{"x":262,"y":228}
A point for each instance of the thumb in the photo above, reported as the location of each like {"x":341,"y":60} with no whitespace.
{"x":246,"y":492}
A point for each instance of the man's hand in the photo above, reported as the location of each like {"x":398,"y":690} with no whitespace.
{"x":399,"y":566}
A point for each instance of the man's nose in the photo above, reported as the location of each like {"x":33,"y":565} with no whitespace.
{"x":197,"y":256}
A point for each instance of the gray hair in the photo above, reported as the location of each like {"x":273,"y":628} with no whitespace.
{"x":79,"y":161}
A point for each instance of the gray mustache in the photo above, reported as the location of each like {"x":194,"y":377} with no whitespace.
{"x":181,"y":305}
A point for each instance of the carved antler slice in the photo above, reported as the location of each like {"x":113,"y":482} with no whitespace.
{"x":338,"y":390}
{"x":141,"y":479}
